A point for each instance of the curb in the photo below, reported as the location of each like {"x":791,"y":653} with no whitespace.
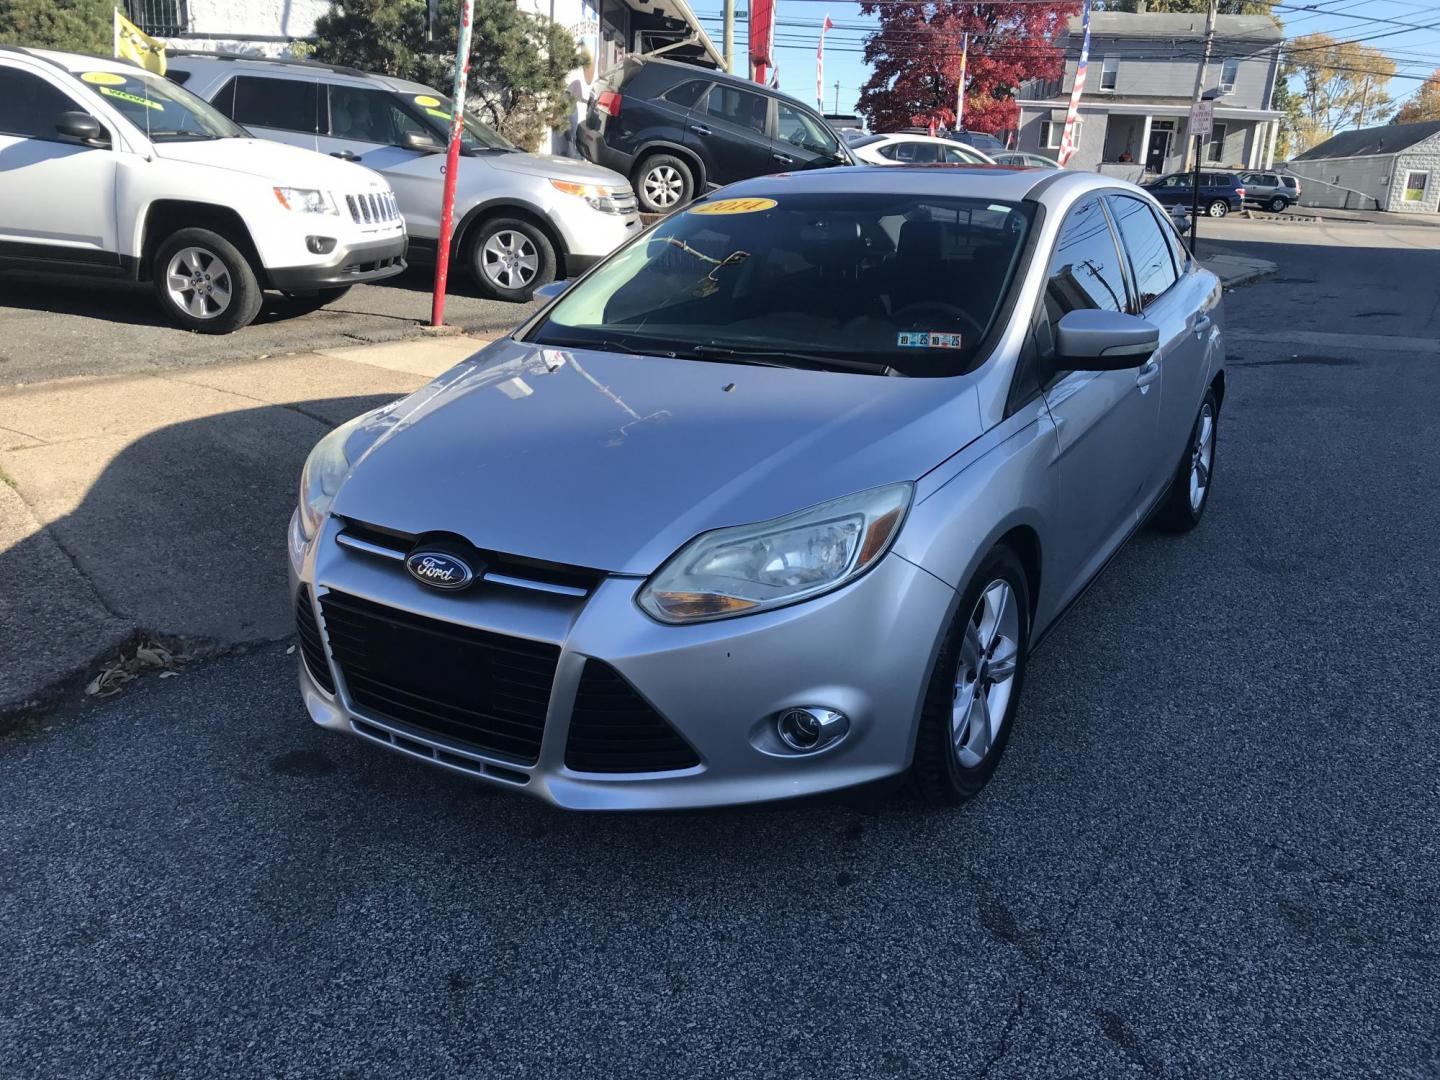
{"x":1285,"y":219}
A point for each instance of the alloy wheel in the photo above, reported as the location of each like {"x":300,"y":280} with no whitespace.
{"x":1202,"y":453}
{"x":198,"y":282}
{"x":509,"y":259}
{"x":985,"y":680}
{"x":663,"y":186}
{"x":1219,"y":209}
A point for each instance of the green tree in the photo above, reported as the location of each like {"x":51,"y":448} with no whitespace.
{"x":518,"y":61}
{"x":1425,"y":105}
{"x":1287,"y":102}
{"x":1342,"y":84}
{"x":83,"y":26}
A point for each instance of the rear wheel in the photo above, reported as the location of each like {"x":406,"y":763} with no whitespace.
{"x":204,"y":283}
{"x":1218,"y":208}
{"x":510,"y":259}
{"x":1277,"y":204}
{"x":663,"y":183}
{"x":975,"y":686}
{"x":1194,"y":475}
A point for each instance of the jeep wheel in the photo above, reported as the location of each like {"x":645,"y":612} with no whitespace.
{"x":205,"y":283}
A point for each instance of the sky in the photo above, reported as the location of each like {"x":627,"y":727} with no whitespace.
{"x":1416,"y":52}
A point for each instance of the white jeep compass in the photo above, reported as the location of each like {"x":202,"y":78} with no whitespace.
{"x":111,"y":171}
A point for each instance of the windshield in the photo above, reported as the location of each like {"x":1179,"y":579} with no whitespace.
{"x":163,"y":111}
{"x":435,"y":110}
{"x":887,"y":283}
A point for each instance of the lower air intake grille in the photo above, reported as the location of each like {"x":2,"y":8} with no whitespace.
{"x":486,"y":690}
{"x":311,"y":647}
{"x":613,"y":729}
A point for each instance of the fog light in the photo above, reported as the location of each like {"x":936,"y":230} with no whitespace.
{"x":808,"y":728}
{"x":320,"y":245}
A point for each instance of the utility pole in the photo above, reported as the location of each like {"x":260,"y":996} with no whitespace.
{"x":1192,"y":145}
{"x":729,"y":36}
{"x":1364,"y":101}
{"x":837,"y":97}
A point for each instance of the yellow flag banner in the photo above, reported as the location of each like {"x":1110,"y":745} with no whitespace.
{"x":132,"y":43}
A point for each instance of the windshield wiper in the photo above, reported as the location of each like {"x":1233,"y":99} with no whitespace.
{"x":788,"y":359}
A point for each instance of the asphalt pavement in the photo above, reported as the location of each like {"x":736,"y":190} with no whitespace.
{"x":1210,"y":851}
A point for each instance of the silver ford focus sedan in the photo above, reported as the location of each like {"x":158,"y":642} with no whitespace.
{"x":776,"y":500}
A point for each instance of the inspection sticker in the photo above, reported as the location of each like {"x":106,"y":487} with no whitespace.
{"x":133,"y":98}
{"x":103,"y":78}
{"x":426,"y":101}
{"x":734,"y":206}
{"x":927,"y":339}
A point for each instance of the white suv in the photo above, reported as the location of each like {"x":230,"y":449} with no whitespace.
{"x":108,"y":170}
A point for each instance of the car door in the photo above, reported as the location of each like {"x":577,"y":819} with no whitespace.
{"x":283,"y":108}
{"x":57,"y":195}
{"x":1106,"y":421}
{"x":1167,"y":296}
{"x":369,"y":126}
{"x":802,"y":141}
{"x":730,"y":133}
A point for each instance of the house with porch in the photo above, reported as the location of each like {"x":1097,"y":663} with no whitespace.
{"x":1136,"y":101}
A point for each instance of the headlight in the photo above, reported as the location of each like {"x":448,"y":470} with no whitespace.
{"x":757,"y":567}
{"x":326,"y":468}
{"x":305,"y":200}
{"x":599,"y":197}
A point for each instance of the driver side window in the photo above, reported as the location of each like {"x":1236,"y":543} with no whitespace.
{"x":29,"y":106}
{"x":800,"y":129}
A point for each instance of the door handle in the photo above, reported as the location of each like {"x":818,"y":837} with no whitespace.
{"x":345,"y":155}
{"x":784,"y":158}
{"x":699,"y":130}
{"x":1202,"y":323}
{"x":1148,"y":373}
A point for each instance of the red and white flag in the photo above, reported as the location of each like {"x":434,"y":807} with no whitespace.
{"x":820,"y":64}
{"x":1067,"y":141}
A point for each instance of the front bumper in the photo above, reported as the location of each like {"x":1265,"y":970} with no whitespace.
{"x":351,"y":264}
{"x":864,"y":650}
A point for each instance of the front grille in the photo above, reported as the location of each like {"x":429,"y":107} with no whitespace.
{"x":613,"y":729}
{"x":626,"y":203}
{"x":355,"y":269}
{"x":485,"y":690}
{"x":372,"y":208}
{"x":312,"y":649}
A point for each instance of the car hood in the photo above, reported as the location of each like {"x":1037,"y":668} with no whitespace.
{"x":290,"y":166}
{"x":614,"y":461}
{"x":553,"y":167}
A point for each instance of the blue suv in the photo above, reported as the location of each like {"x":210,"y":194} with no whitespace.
{"x":1220,"y":192}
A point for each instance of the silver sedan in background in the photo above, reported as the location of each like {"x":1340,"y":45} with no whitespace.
{"x":774,"y":501}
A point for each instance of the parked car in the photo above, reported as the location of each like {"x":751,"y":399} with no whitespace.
{"x":774,"y":501}
{"x":679,"y":131}
{"x":915,"y":150}
{"x":1271,"y":190}
{"x":979,"y":140}
{"x":1026,"y":159}
{"x":520,"y":219}
{"x":1220,"y":192}
{"x":108,"y":171}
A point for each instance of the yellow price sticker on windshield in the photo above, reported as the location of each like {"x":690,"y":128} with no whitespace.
{"x":103,"y":78}
{"x":735,"y":206}
{"x":132,"y":98}
{"x":439,"y":114}
{"x":426,"y":101}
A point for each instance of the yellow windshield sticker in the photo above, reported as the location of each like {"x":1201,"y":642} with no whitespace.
{"x":426,"y":101}
{"x":133,"y":98}
{"x":735,"y":206}
{"x":103,"y":78}
{"x":441,"y":113}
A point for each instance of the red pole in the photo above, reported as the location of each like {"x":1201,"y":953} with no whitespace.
{"x":452,"y":164}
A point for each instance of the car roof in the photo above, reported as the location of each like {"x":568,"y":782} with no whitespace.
{"x":715,"y":75}
{"x":73,"y":62}
{"x":339,"y":73}
{"x":1003,"y":183}
{"x":905,"y":136}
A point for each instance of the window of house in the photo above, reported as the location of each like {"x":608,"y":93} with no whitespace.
{"x":29,"y":106}
{"x":1052,"y":131}
{"x":285,"y":104}
{"x":1150,"y":255}
{"x":1215,"y":148}
{"x":737,"y":106}
{"x":1229,"y":69}
{"x":1416,"y":183}
{"x":1109,"y":72}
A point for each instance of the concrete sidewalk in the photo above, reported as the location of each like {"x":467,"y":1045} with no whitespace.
{"x":158,"y":502}
{"x":1235,"y":270}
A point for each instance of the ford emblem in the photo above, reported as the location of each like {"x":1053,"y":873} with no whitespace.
{"x":439,"y":569}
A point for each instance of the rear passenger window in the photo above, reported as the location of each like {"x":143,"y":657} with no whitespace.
{"x":1085,"y":269}
{"x":286,"y":104}
{"x":687,"y":93}
{"x":1149,"y":251}
{"x":737,"y":107}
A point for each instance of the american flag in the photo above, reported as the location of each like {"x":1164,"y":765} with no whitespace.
{"x":1067,"y":141}
{"x":820,"y":64}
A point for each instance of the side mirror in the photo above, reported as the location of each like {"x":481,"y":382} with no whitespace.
{"x":551,"y":289}
{"x":82,"y":127}
{"x":422,"y":143}
{"x":1093,"y":340}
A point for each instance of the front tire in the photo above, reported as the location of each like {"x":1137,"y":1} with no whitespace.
{"x":1218,"y":208}
{"x":510,"y":258}
{"x":204,"y":282}
{"x":975,"y":686}
{"x":1277,"y":204}
{"x":1194,"y":477}
{"x":663,"y":183}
